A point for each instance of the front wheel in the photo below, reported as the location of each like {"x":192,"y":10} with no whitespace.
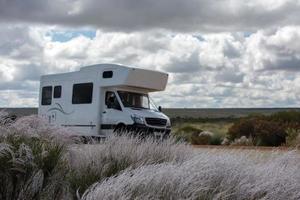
{"x":120,"y":129}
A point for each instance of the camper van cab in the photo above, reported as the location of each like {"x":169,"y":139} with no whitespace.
{"x":101,"y":99}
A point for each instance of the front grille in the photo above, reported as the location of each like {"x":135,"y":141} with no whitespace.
{"x":156,"y":121}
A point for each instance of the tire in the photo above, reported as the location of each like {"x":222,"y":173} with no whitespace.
{"x":120,"y":129}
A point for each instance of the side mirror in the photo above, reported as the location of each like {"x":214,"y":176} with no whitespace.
{"x":159,"y":108}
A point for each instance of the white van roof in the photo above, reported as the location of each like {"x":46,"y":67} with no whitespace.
{"x":122,"y":76}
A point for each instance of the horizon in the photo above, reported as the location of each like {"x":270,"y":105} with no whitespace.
{"x":200,"y":108}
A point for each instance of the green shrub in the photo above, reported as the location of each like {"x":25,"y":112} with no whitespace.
{"x":202,"y":138}
{"x":186,"y":133}
{"x":216,"y":139}
{"x":31,"y":168}
{"x":197,"y":136}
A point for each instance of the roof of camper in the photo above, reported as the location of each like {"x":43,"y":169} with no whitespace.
{"x":124,"y":76}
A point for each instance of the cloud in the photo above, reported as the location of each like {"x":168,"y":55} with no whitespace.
{"x":276,"y":49}
{"x":206,"y":70}
{"x":138,"y":15}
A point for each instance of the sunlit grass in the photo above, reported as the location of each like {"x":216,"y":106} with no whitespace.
{"x":39,"y":161}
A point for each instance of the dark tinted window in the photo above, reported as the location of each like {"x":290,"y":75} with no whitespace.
{"x":82,"y":93}
{"x":107,"y":74}
{"x":46,"y":95}
{"x":57,"y":92}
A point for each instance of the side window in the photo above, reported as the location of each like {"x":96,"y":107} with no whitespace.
{"x":46,"y":95}
{"x":111,"y":101}
{"x":107,"y":74}
{"x":57,"y":92}
{"x":82,"y":93}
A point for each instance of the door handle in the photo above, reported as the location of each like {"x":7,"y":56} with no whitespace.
{"x":104,"y":112}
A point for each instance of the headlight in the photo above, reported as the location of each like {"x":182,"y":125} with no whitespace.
{"x":137,"y":119}
{"x":169,"y":123}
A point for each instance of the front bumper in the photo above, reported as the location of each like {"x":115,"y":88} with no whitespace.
{"x":146,"y":129}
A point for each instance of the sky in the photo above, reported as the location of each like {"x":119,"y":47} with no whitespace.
{"x":219,"y":54}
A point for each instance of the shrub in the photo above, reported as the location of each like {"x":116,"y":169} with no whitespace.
{"x":187,"y":134}
{"x":243,"y":127}
{"x":197,"y":136}
{"x":31,"y":168}
{"x":202,"y":138}
{"x":32,"y":161}
{"x":216,"y":139}
{"x":242,"y":141}
{"x":265,"y":130}
{"x":293,"y":137}
{"x":225,"y":141}
{"x":269,"y":133}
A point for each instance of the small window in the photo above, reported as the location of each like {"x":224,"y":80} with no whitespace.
{"x":107,"y":74}
{"x":82,"y":93}
{"x":57,"y":92}
{"x":47,"y":95}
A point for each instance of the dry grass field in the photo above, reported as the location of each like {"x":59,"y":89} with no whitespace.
{"x":38,"y":161}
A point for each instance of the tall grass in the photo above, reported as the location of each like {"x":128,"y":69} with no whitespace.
{"x":32,"y":163}
{"x":92,"y":163}
{"x":209,"y":175}
{"x":39,"y":161}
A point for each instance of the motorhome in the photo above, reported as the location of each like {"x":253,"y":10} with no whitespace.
{"x":105,"y":98}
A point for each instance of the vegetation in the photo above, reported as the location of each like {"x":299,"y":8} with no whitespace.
{"x":211,"y":174}
{"x":39,"y":161}
{"x":31,"y":167}
{"x":190,"y":132}
{"x":277,"y":129}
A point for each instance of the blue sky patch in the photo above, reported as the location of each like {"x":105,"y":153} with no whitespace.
{"x":65,"y":36}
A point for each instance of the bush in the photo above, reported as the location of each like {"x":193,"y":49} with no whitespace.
{"x":187,"y":134}
{"x":197,"y":136}
{"x":32,"y":160}
{"x":269,"y":133}
{"x":202,"y":138}
{"x":32,"y":168}
{"x":265,"y":130}
{"x":243,"y":127}
{"x":216,"y":139}
{"x":293,"y":137}
{"x":243,"y":141}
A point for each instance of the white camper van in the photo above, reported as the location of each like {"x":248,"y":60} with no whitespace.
{"x":100,"y":99}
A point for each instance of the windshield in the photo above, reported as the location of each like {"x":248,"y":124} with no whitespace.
{"x":134,"y":100}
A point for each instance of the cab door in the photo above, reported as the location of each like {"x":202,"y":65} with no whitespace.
{"x":111,"y":113}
